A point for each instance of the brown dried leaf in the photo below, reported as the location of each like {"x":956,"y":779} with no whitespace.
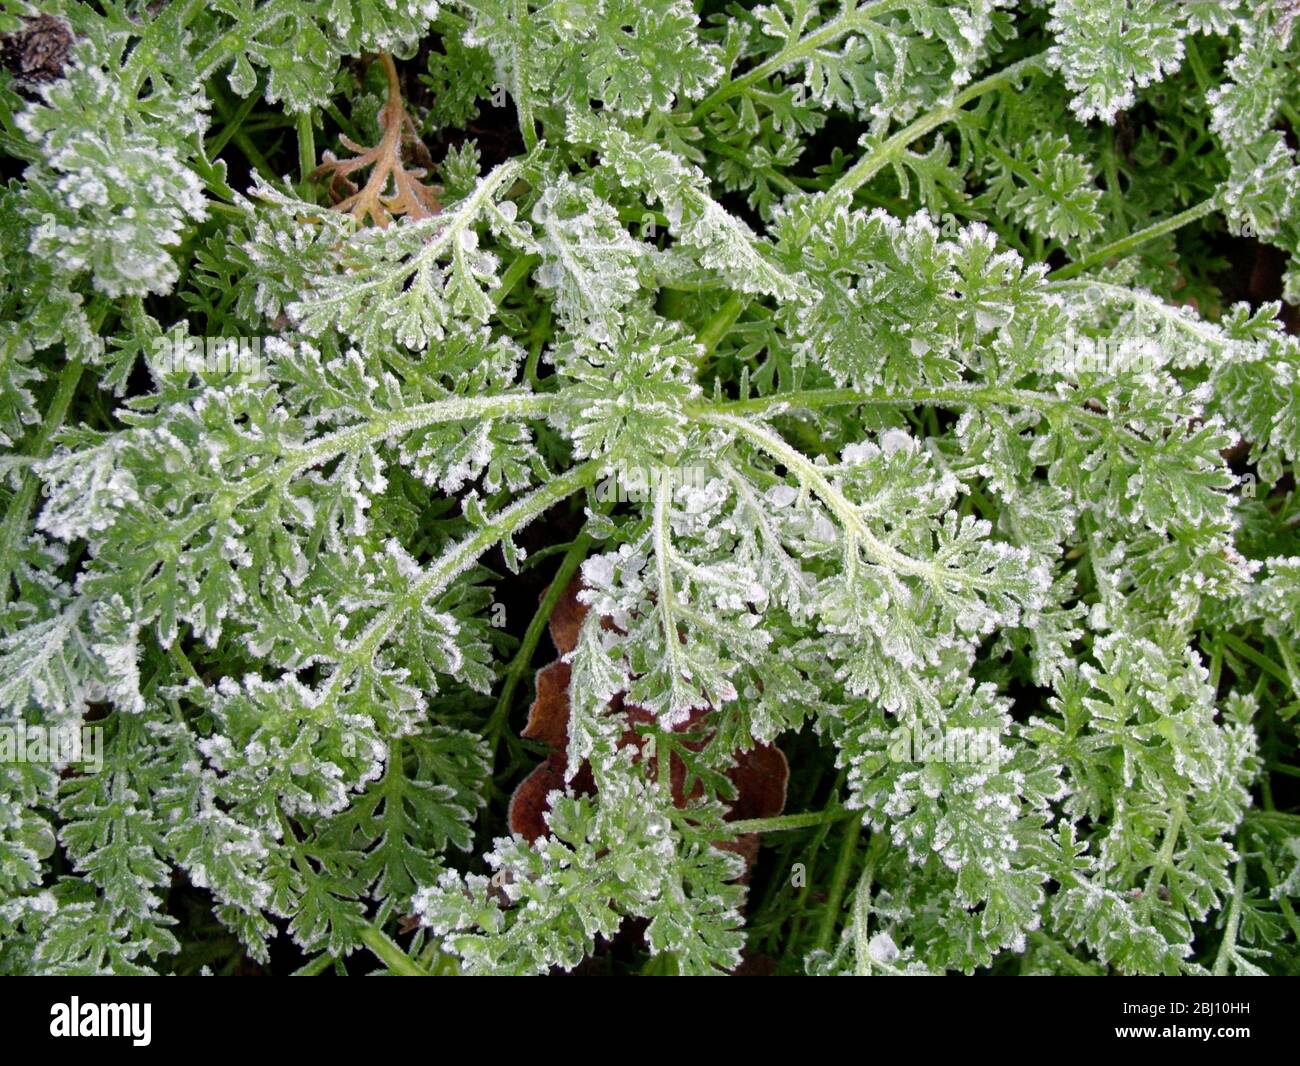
{"x":567,"y":618}
{"x":38,"y":52}
{"x":548,"y":717}
{"x":528,"y":806}
{"x":760,"y":776}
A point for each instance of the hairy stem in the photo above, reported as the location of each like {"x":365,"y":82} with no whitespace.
{"x":956,"y":395}
{"x":1228,"y":946}
{"x":845,"y":511}
{"x":862,"y":906}
{"x":389,"y":425}
{"x":306,"y":150}
{"x":438,"y":576}
{"x":519,"y":90}
{"x":886,"y":151}
{"x":718,"y":326}
{"x":666,"y":604}
{"x":850,"y":21}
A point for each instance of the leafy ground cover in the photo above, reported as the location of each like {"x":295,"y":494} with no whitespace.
{"x":515,"y":487}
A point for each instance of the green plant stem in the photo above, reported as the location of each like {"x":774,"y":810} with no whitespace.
{"x":848,"y":515}
{"x":1256,"y":658}
{"x":1134,"y":240}
{"x":1289,"y":823}
{"x":784,"y":822}
{"x":512,"y":276}
{"x":306,"y":150}
{"x":839,"y":881}
{"x":533,"y":634}
{"x":878,"y":157}
{"x":392,"y":425}
{"x":1284,"y":904}
{"x":862,"y":906}
{"x":438,"y":576}
{"x":243,"y":142}
{"x":520,"y":90}
{"x":397,"y":960}
{"x":1164,"y":862}
{"x":1094,"y":288}
{"x":720,"y":324}
{"x":182,"y":660}
{"x":787,"y":846}
{"x":20,"y":507}
{"x":536,"y":343}
{"x":1228,"y":945}
{"x":383,"y":427}
{"x":1288,"y":660}
{"x":1080,"y":968}
{"x":343,"y":122}
{"x":665,"y":605}
{"x":230,"y":127}
{"x":318,"y":965}
{"x":827,"y":34}
{"x":812,"y":850}
{"x":958,"y":395}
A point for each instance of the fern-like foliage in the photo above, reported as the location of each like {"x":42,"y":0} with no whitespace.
{"x":865,"y":378}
